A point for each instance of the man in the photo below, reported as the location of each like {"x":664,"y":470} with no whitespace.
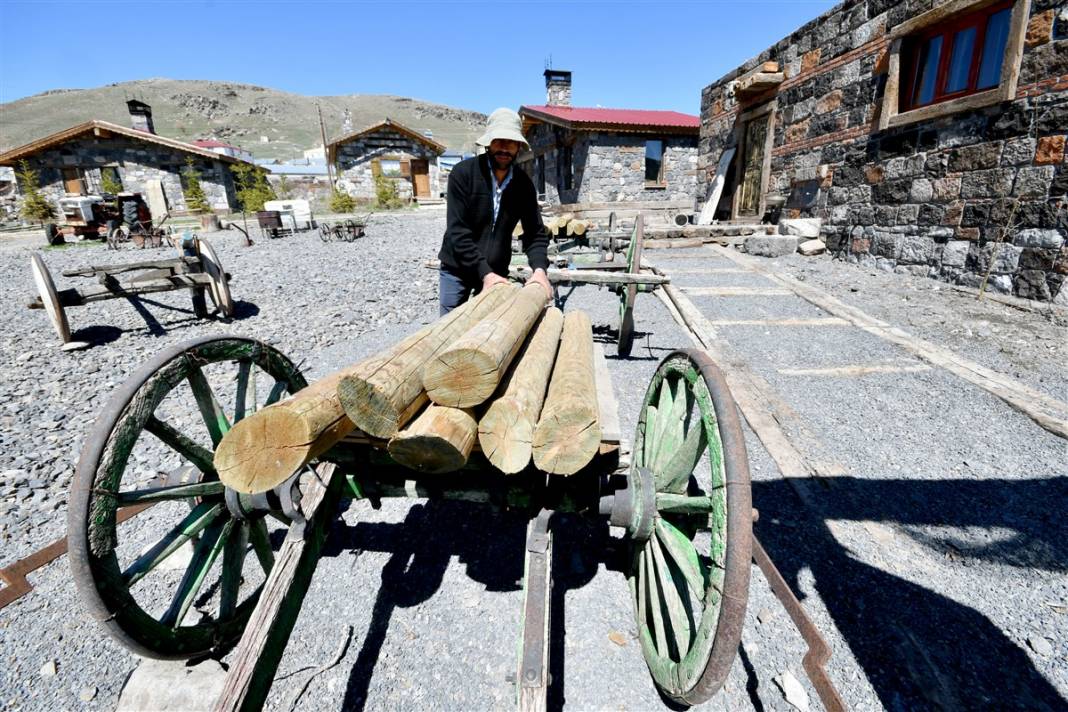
{"x":487,"y":196}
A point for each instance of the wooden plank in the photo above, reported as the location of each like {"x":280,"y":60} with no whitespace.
{"x":255,"y":663}
{"x":736,"y":292}
{"x":708,"y":210}
{"x":853,"y":371}
{"x":1046,"y":411}
{"x":607,"y":405}
{"x":817,"y":321}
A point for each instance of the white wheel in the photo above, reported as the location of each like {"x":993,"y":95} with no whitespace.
{"x":220,"y":286}
{"x":50,"y":298}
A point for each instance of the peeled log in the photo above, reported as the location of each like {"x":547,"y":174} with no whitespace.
{"x":506,"y":430}
{"x":383,"y":395}
{"x":470,"y":369}
{"x":439,"y":440}
{"x":569,"y":430}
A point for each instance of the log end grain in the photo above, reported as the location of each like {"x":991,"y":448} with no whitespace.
{"x":439,"y":441}
{"x":369,"y":406}
{"x":566,"y":441}
{"x":250,"y":459}
{"x":506,"y":436}
{"x":461,"y":378}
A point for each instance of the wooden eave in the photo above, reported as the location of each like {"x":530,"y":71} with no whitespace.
{"x":105,"y":129}
{"x":331,"y":148}
{"x":532,"y":118}
{"x":759,"y":80}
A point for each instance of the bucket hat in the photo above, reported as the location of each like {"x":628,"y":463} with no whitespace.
{"x":503,"y":123}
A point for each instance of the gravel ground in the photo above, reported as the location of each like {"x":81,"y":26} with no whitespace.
{"x":934,"y":567}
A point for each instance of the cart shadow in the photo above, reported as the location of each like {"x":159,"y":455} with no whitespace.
{"x":491,"y":546}
{"x":100,"y":334}
{"x":920,"y":648}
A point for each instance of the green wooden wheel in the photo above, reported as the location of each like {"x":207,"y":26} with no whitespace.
{"x":629,"y":292}
{"x":691,"y":527}
{"x":126,"y":572}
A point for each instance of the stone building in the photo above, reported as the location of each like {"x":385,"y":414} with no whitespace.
{"x":582,"y":155}
{"x":927,"y":135}
{"x":75,"y":161}
{"x":392,"y":151}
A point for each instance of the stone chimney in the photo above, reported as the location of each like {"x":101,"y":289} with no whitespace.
{"x":140,"y":116}
{"x":557,"y":87}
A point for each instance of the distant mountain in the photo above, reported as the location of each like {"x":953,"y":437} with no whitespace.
{"x":236,"y":113}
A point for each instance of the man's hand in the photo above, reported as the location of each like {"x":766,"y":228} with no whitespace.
{"x":492,"y":279}
{"x":539,"y":277}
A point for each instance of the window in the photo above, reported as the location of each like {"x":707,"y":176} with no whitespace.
{"x":654,"y":162}
{"x":110,"y":180}
{"x":958,"y":56}
{"x":565,"y":173}
{"x":390,"y":168}
{"x":539,"y":171}
{"x":952,"y":59}
{"x":73,"y":181}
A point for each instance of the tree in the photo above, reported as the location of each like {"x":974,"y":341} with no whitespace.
{"x":253,"y":190}
{"x":195,"y":199}
{"x":283,"y":188}
{"x":386,"y":193}
{"x":341,"y":202}
{"x":35,"y":207}
{"x":108,"y":182}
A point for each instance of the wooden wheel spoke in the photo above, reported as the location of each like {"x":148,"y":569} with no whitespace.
{"x":676,"y":600}
{"x":641,"y":594}
{"x":655,"y":611}
{"x":207,"y":551}
{"x":170,"y":492}
{"x":663,"y":416}
{"x":201,"y":516}
{"x":649,"y":437}
{"x":675,"y":473}
{"x":245,"y":398}
{"x":674,"y":430}
{"x":667,"y":503}
{"x":277,"y":391}
{"x":233,"y":564}
{"x":679,"y":549}
{"x":197,"y":455}
{"x":261,"y":543}
{"x":210,"y":410}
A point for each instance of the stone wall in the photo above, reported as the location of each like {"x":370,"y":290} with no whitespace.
{"x":137,"y":162}
{"x":610,"y":167}
{"x":354,"y":163}
{"x":929,"y":197}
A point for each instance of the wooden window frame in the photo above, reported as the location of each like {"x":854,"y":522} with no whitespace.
{"x":946,"y":18}
{"x":80,"y":177}
{"x":659,"y":183}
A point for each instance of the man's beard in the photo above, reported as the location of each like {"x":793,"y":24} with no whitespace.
{"x":498,"y":163}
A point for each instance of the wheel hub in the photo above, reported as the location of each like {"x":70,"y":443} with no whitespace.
{"x":633,"y":507}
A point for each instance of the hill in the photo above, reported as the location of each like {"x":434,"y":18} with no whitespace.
{"x":237,"y":113}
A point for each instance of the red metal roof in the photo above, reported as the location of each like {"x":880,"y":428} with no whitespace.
{"x":584,"y":117}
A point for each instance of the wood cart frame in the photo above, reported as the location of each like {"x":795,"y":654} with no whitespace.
{"x":683,"y":500}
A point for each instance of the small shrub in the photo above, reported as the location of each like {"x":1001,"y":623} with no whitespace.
{"x":108,"y":184}
{"x":195,"y":199}
{"x":253,"y":190}
{"x":35,"y":207}
{"x":386,"y":197}
{"x":342,"y":202}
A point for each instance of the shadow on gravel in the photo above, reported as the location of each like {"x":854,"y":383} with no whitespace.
{"x":491,"y":545}
{"x":922,"y":649}
{"x":97,"y":335}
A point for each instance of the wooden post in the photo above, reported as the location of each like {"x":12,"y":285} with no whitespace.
{"x":264,"y":449}
{"x":326,"y":151}
{"x":439,"y":440}
{"x":469,"y":371}
{"x":569,"y":432}
{"x":384,"y":395}
{"x":506,"y":431}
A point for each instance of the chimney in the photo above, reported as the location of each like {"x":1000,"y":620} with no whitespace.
{"x":557,"y":87}
{"x":140,"y":116}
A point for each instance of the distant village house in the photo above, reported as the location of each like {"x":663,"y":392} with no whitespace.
{"x":596,"y":155}
{"x":74,"y":162}
{"x":392,"y":151}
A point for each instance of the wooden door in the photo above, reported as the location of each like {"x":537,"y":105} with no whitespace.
{"x":756,"y":134}
{"x":72,"y":181}
{"x":420,"y":178}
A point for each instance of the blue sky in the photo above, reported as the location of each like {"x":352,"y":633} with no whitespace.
{"x":473,"y":55}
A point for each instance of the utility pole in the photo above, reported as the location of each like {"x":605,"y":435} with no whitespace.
{"x":326,"y":154}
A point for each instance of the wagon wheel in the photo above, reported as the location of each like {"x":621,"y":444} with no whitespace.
{"x":690,"y":521}
{"x":352,"y":231}
{"x":629,"y":292}
{"x":124,"y":573}
{"x":50,"y":299}
{"x":220,"y":283}
{"x":118,"y":236}
{"x":325,"y":233}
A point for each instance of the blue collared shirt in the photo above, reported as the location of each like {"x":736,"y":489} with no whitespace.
{"x":498,"y":188}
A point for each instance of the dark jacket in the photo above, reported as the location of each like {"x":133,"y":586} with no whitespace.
{"x":473,"y":246}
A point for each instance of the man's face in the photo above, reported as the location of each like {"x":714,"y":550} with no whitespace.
{"x":503,"y":152}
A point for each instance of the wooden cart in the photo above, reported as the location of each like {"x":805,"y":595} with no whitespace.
{"x":197,"y":268}
{"x":682,"y":497}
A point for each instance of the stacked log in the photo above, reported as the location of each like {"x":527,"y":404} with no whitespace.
{"x":566,"y":224}
{"x":439,"y":440}
{"x":506,"y":430}
{"x":468,"y":372}
{"x":264,"y":449}
{"x":568,"y":433}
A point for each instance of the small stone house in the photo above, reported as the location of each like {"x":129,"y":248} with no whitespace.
{"x":75,"y":161}
{"x":392,"y":151}
{"x":595,"y":155}
{"x":927,"y":135}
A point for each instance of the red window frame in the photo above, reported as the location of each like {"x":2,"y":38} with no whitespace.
{"x":948,"y":30}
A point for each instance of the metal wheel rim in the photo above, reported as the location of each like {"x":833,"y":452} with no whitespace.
{"x":220,"y":286}
{"x":50,"y":298}
{"x":92,"y":532}
{"x":691,"y":664}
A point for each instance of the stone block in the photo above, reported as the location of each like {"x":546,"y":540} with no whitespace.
{"x":1033,"y":258}
{"x":891,"y":192}
{"x":1031,"y":284}
{"x":829,"y":102}
{"x":1040,"y":239}
{"x":955,"y":253}
{"x":946,"y":188}
{"x":905,"y":166}
{"x":1018,"y":151}
{"x":1049,"y":151}
{"x":165,"y":686}
{"x":994,"y":183}
{"x":810,"y":59}
{"x":770,"y":245}
{"x":1006,"y":261}
{"x":1040,"y":28}
{"x":974,"y":158}
{"x":921,"y":191}
{"x":1033,"y":182}
{"x":800,"y":227}
{"x":907,"y":215}
{"x":812,"y":247}
{"x":915,"y":250}
{"x":886,"y":244}
{"x":940,"y":234}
